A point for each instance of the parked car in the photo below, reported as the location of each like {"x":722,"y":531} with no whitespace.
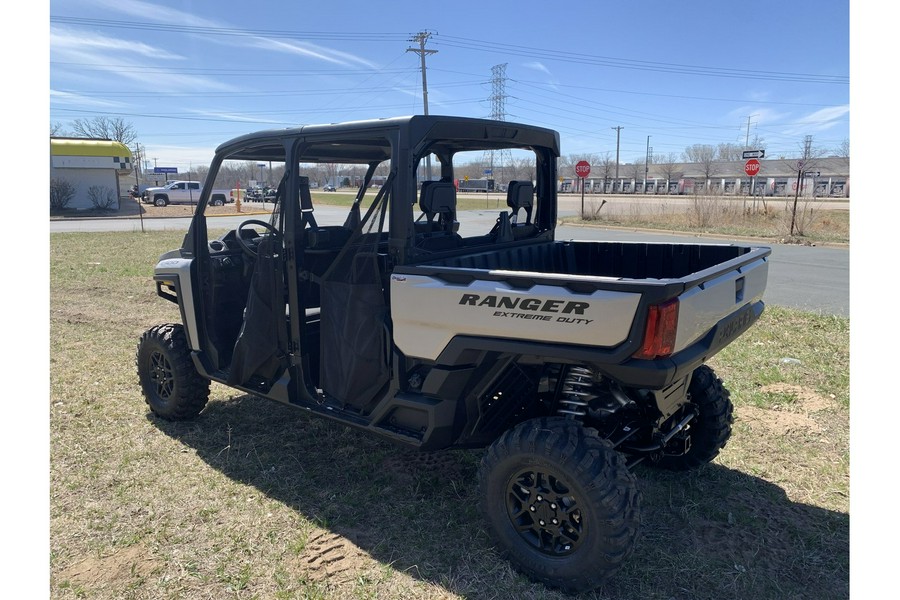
{"x":329,"y":188}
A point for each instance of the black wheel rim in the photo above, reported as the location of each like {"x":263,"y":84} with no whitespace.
{"x":545,"y":512}
{"x":161,"y":376}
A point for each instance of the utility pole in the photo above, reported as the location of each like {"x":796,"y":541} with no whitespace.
{"x":618,"y":130}
{"x":747,"y":139}
{"x":647,"y":164}
{"x":421,"y":38}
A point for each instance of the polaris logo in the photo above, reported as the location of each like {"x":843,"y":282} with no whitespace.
{"x":533,"y":304}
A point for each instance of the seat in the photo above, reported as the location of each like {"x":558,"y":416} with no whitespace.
{"x":520,"y":195}
{"x":438,"y":204}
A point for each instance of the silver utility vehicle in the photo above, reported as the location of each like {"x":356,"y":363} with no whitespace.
{"x":569,"y":361}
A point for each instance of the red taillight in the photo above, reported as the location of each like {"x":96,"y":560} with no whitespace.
{"x":659,"y":335}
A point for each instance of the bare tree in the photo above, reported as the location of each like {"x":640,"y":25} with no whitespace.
{"x":106,"y":128}
{"x":635,"y":170}
{"x":699,"y":153}
{"x":523,"y":168}
{"x":757,"y":143}
{"x":57,"y":130}
{"x":668,"y":165}
{"x":807,"y":162}
{"x":704,"y":156}
{"x":843,"y":150}
{"x":729,"y":152}
{"x":606,"y":167}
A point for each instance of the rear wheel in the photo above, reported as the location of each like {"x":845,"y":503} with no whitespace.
{"x":710,"y":430}
{"x":217,"y":201}
{"x":171,"y":385}
{"x":560,"y":503}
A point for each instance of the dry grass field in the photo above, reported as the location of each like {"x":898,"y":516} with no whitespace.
{"x":259,"y":500}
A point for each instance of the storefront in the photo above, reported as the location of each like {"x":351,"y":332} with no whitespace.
{"x":93,"y":168}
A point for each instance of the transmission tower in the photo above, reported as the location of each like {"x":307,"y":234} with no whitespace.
{"x":498,"y":92}
{"x":498,"y":113}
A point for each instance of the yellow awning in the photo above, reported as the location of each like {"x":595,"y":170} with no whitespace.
{"x":84,"y":147}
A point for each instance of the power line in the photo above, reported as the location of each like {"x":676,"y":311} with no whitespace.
{"x":641,"y":65}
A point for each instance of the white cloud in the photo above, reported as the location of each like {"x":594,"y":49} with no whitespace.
{"x":538,"y":66}
{"x":109,"y":55}
{"x":820,"y":120}
{"x":59,"y":97}
{"x":226,"y":116}
{"x":542,"y":68}
{"x":67,"y":41}
{"x":162,"y":14}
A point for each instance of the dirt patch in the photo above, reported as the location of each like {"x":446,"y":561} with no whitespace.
{"x":796,"y":417}
{"x":333,"y":558}
{"x":126,"y":565}
{"x":807,"y":400}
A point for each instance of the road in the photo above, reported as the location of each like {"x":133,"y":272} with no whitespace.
{"x":808,"y":278}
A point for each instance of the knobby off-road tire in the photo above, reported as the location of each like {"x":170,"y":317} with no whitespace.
{"x":171,"y":385}
{"x":711,"y":428}
{"x":560,"y":503}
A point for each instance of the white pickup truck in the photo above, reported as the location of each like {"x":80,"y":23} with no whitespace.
{"x":182,"y":192}
{"x":569,"y":361}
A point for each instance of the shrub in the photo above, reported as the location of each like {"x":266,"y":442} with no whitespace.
{"x":803,"y":217}
{"x":61,"y":193}
{"x":101,"y":197}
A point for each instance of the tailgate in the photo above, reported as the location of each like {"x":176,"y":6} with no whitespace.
{"x":704,"y":305}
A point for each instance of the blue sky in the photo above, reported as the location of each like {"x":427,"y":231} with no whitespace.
{"x":190,"y":75}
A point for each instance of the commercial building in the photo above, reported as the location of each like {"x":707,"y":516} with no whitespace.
{"x":93,"y":167}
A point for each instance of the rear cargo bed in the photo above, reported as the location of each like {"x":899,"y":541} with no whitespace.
{"x":629,"y":260}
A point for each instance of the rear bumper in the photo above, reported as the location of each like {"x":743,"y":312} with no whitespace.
{"x":658,"y":373}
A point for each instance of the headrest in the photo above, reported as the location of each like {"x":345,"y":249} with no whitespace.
{"x":438,"y":197}
{"x":520,"y":194}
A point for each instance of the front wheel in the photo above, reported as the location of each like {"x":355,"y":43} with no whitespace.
{"x":171,"y":385}
{"x":560,"y":503}
{"x":160,"y":201}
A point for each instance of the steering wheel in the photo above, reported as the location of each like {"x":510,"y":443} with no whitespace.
{"x":250,"y":251}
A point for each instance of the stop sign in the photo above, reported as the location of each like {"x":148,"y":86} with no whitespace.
{"x":751,"y":167}
{"x":583,"y":168}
